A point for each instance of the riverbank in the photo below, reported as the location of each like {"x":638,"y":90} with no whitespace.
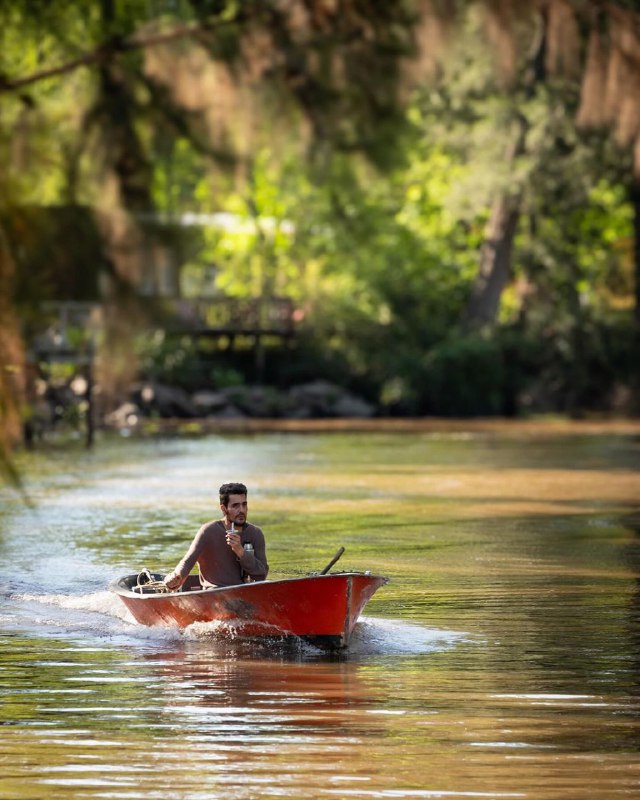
{"x":532,"y":426}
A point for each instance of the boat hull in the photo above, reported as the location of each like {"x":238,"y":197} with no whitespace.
{"x":322,"y":609}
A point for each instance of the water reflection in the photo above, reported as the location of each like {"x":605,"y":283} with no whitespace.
{"x":631,"y":558}
{"x":229,"y":692}
{"x":501,"y":661}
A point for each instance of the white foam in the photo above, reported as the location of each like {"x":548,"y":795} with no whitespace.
{"x":97,"y":602}
{"x":378,"y":636}
{"x":104,"y":614}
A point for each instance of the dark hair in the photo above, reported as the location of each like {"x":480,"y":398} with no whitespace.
{"x":231,"y":488}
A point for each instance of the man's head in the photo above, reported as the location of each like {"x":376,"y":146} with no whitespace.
{"x":233,"y":502}
{"x":231,"y":488}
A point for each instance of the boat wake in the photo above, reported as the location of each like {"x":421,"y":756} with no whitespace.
{"x":95,"y":618}
{"x":103,"y":616}
{"x":378,"y":636}
{"x":372,"y":636}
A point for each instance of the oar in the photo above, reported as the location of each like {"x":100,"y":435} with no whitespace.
{"x":333,"y":561}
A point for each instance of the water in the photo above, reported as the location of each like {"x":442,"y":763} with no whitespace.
{"x":502,"y":660}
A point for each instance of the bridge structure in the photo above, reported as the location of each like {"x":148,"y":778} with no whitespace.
{"x":71,"y":331}
{"x":233,"y":323}
{"x":231,"y":317}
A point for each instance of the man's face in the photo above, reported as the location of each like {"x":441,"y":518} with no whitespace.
{"x":236,"y":510}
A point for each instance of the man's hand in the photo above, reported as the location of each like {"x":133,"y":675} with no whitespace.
{"x":172,"y":581}
{"x":235,"y":543}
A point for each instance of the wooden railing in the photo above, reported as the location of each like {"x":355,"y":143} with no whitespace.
{"x":231,"y":316}
{"x":215,"y":316}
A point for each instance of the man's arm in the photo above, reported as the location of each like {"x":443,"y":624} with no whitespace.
{"x":255,"y":564}
{"x":179,"y":575}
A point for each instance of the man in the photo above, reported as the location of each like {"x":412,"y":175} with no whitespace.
{"x":219,"y":546}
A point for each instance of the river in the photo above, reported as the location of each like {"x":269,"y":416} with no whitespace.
{"x":502,"y":659}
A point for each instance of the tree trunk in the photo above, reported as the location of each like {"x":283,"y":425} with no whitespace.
{"x":495,"y":255}
{"x":12,"y":364}
{"x":495,"y":264}
{"x":634,"y":196}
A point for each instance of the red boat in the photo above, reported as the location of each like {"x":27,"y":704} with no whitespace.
{"x":322,"y":608}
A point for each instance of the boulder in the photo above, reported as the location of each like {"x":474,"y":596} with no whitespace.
{"x":324,"y":399}
{"x":258,"y":401}
{"x":127,"y":415}
{"x":164,"y":401}
{"x":349,"y":405}
{"x":209,"y":402}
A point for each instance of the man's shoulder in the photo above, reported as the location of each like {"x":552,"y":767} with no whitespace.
{"x":211,"y":526}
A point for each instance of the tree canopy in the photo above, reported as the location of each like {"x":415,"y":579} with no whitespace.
{"x":448,"y":192}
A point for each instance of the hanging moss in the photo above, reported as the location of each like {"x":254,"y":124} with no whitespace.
{"x":58,"y":253}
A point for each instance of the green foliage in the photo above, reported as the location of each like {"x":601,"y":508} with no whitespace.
{"x":58,"y":254}
{"x":183,"y":362}
{"x":170,"y":360}
{"x":464,"y":377}
{"x":375,"y":236}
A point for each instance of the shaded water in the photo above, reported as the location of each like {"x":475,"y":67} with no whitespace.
{"x":502,"y":660}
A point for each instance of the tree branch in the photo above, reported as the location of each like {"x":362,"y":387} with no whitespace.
{"x":107,"y":50}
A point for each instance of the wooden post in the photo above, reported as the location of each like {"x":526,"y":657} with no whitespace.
{"x":259,"y":359}
{"x":89,"y":397}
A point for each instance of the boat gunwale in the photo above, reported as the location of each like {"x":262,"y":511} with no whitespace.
{"x":116,"y":586}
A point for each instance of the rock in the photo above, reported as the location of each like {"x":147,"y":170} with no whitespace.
{"x":165,"y":401}
{"x":258,"y":401}
{"x":350,"y":406}
{"x":209,"y":402}
{"x":126,"y":415}
{"x":229,"y":412}
{"x":324,"y":399}
{"x":314,"y":399}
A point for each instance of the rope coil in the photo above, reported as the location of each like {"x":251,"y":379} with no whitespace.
{"x":145,"y":582}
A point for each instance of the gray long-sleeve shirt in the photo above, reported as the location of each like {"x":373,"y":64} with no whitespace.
{"x":218,"y":564}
